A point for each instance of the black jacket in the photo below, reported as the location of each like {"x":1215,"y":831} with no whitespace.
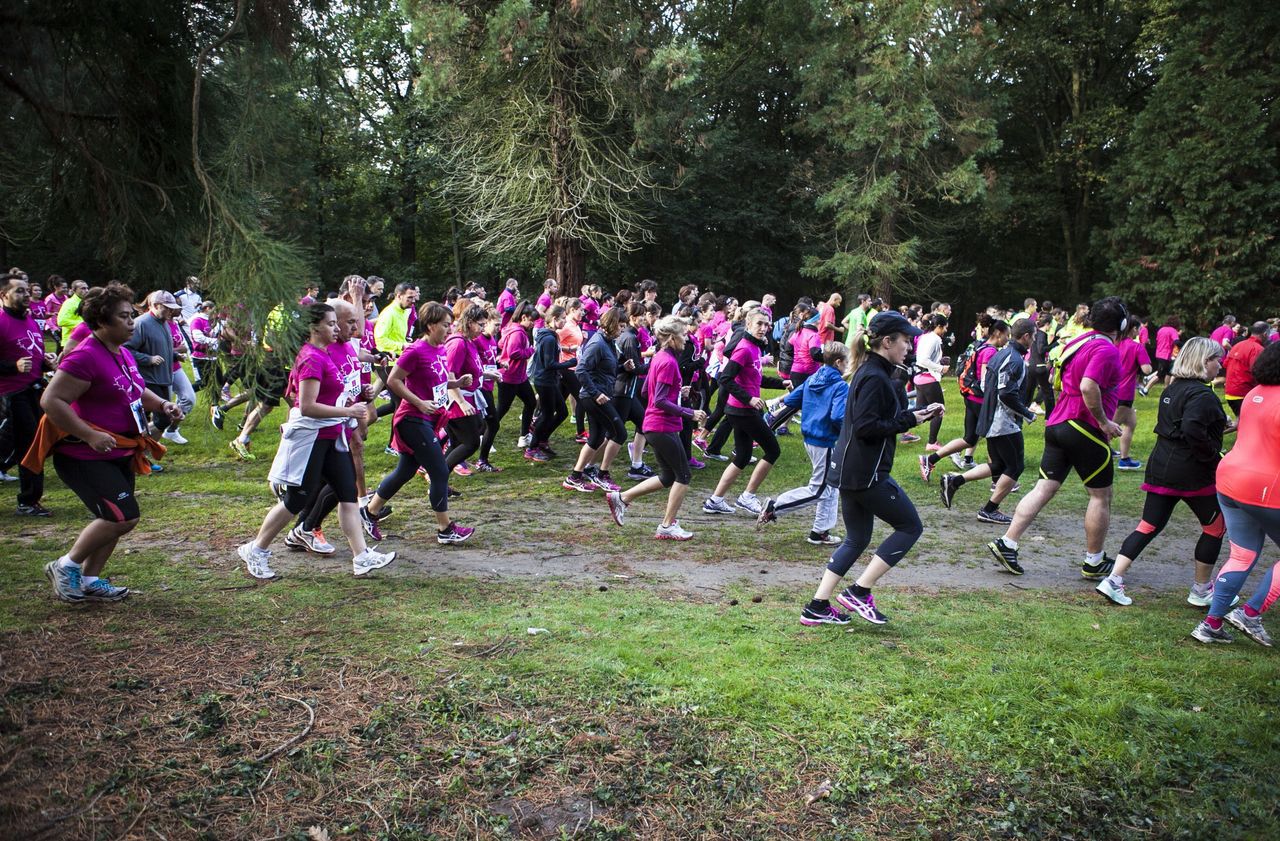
{"x":874,"y":415}
{"x":597,"y":367}
{"x":729,"y":373}
{"x":1189,"y":430}
{"x":629,"y":383}
{"x":545,"y":368}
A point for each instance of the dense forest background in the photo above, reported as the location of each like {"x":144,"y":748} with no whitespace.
{"x":921,"y":149}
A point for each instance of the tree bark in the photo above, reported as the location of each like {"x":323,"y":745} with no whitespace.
{"x":566,"y":262}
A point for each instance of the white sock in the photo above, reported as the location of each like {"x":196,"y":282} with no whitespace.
{"x":1117,"y":580}
{"x":1010,"y":542}
{"x":65,"y":561}
{"x":636,"y":465}
{"x":715,"y":499}
{"x":1093,"y":558}
{"x":88,"y":579}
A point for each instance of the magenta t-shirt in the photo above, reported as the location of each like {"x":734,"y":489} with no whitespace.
{"x":487,"y":347}
{"x":20,"y":337}
{"x":1224,"y":333}
{"x":1166,"y":337}
{"x":980,"y":366}
{"x":178,"y":344}
{"x":544,"y":301}
{"x":347,"y":361}
{"x":79,"y":333}
{"x":312,"y":363}
{"x":590,"y":313}
{"x":747,"y":354}
{"x":1099,"y":360}
{"x":461,"y":357}
{"x":114,"y":383}
{"x":1132,"y":357}
{"x":199,"y":350}
{"x":664,"y":379}
{"x":516,"y":351}
{"x":425,"y":376}
{"x":801,"y":341}
{"x":506,"y":302}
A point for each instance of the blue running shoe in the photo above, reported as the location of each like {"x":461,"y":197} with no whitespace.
{"x":103,"y":590}
{"x":66,"y":580}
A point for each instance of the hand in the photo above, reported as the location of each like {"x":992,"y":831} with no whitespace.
{"x":24,"y":365}
{"x":429,"y":407}
{"x":173,"y":410}
{"x":601,"y":399}
{"x":684,"y":392}
{"x":366,"y":393}
{"x":699,"y":416}
{"x":156,"y":360}
{"x":464,"y":381}
{"x":922,"y":415}
{"x":101,"y":442}
{"x":467,"y":409}
{"x":51,"y":359}
{"x":1112,"y":429}
{"x":629,"y":365}
{"x":937,"y":409}
{"x":356,"y":410}
{"x":758,"y":404}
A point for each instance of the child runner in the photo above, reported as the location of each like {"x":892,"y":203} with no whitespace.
{"x":875,"y":414}
{"x":487,"y":345}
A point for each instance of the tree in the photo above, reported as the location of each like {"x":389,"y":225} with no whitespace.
{"x":1197,"y":188}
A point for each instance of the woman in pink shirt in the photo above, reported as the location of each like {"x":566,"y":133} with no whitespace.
{"x":466,"y":407}
{"x":1168,"y":337}
{"x":515,"y":350}
{"x":97,"y":396}
{"x":487,"y":347}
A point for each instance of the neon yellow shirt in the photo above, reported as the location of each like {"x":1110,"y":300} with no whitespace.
{"x":391,"y":331}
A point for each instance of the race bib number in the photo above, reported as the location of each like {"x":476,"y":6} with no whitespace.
{"x":139,"y":416}
{"x":440,"y":394}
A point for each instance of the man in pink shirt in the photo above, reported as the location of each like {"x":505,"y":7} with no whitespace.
{"x":1225,"y":333}
{"x":827,"y":317}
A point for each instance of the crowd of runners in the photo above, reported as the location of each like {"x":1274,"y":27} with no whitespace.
{"x":101,"y":384}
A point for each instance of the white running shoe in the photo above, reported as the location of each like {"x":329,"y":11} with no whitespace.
{"x":749,"y":503}
{"x":672,"y":532}
{"x":522,"y":443}
{"x":1114,"y":592}
{"x":257,"y":561}
{"x":174,"y":435}
{"x":312,"y":541}
{"x":617,"y":506}
{"x":721,"y":507}
{"x":369,"y":560}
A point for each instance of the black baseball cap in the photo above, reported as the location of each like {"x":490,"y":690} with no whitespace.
{"x":884,"y":323}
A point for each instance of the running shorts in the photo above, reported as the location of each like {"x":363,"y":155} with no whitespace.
{"x":1075,"y":446}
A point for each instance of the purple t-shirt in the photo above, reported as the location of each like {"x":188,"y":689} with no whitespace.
{"x":114,"y":383}
{"x":1099,"y":360}
{"x":1132,"y":357}
{"x":664,"y":385}
{"x":425,"y":377}
{"x":312,"y":363}
{"x":20,"y":338}
{"x":747,"y":354}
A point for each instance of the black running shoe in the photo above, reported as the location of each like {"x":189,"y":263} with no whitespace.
{"x":947,"y":488}
{"x":1006,"y":555}
{"x":1096,"y":572}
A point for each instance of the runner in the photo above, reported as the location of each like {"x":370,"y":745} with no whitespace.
{"x":629,"y":386}
{"x":22,"y":364}
{"x":1039,"y":389}
{"x":933,"y":365}
{"x":1239,"y":365}
{"x":487,"y":345}
{"x":153,"y":350}
{"x":598,"y":372}
{"x":1246,"y":479}
{"x":822,"y":398}
{"x":1168,"y":338}
{"x":422,"y":382}
{"x":1133,"y":360}
{"x":806,"y":346}
{"x":515,"y":349}
{"x":570,"y":338}
{"x":1076,"y":437}
{"x":205,"y":330}
{"x":1189,"y":428}
{"x":313,"y":451}
{"x":544,"y":372}
{"x":466,"y":406}
{"x":1000,"y":422}
{"x":971,"y":375}
{"x":69,"y":312}
{"x":875,"y":414}
{"x":741,"y":376}
{"x":98,"y":401}
{"x":507,"y":301}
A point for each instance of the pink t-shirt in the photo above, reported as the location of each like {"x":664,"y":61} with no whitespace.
{"x":506,"y":303}
{"x":312,"y":363}
{"x":425,"y":376}
{"x":487,"y":347}
{"x":369,"y":345}
{"x":544,"y":301}
{"x":664,"y":379}
{"x":515,"y":352}
{"x":1099,"y":360}
{"x":1166,"y":337}
{"x":179,"y":344}
{"x":980,"y":365}
{"x":199,"y":350}
{"x":20,"y":338}
{"x":1132,"y":357}
{"x":462,"y":357}
{"x":590,"y":314}
{"x":114,"y":383}
{"x":79,"y":333}
{"x":747,"y":354}
{"x":39,"y":311}
{"x":801,"y":341}
{"x":347,"y":361}
{"x":1223,"y":335}
{"x":826,"y":322}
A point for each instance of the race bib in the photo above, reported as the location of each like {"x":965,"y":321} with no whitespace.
{"x":440,"y":394}
{"x":139,"y":416}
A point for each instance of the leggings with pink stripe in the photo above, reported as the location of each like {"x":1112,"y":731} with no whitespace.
{"x":1248,"y":527}
{"x":1156,"y":512}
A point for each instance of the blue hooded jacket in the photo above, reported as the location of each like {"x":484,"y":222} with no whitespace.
{"x":822,"y":398}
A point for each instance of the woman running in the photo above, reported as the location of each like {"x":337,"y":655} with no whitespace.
{"x":313,"y":451}
{"x":875,"y":414}
{"x":804,"y":340}
{"x":98,"y":401}
{"x":515,"y":350}
{"x":994,"y":334}
{"x":664,"y":418}
{"x":489,"y":350}
{"x":570,"y":338}
{"x":932,"y":366}
{"x":1189,"y":429}
{"x":422,"y":380}
{"x":1133,"y":361}
{"x":1168,"y":338}
{"x":1247,"y":479}
{"x":598,"y":373}
{"x":466,"y":410}
{"x":741,"y":376}
{"x":628,"y":390}
{"x":544,"y":371}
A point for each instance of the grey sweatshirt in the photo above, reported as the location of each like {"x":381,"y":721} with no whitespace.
{"x":151,"y":337}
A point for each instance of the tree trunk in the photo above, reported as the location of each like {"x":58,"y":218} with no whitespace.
{"x":566,"y":262}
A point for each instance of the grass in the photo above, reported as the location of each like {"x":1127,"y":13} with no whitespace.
{"x":639,"y":713}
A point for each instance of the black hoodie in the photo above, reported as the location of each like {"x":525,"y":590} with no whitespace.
{"x":874,"y":415}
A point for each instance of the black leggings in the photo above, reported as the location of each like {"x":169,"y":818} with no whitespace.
{"x":1156,"y":512}
{"x":327,"y":465}
{"x":606,"y":423}
{"x":507,"y":394}
{"x":464,"y":439}
{"x":419,"y":436}
{"x":105,"y":486}
{"x":1040,"y":385}
{"x":884,"y":500}
{"x":673,"y":461}
{"x":24,"y":419}
{"x":490,"y":426}
{"x":572,"y":386}
{"x":748,"y":429}
{"x":551,"y":412}
{"x":927,"y":393}
{"x":631,"y":410}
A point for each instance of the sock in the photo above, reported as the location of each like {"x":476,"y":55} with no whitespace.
{"x":1093,"y":558}
{"x":65,"y":561}
{"x":959,"y":480}
{"x":1010,"y":542}
{"x":575,"y":474}
{"x":716,"y":499}
{"x":860,"y":591}
{"x":1214,"y":622}
{"x":446,"y":529}
{"x":990,"y":507}
{"x":819,"y":604}
{"x":933,"y":458}
{"x":1248,"y":610}
{"x":636,"y":465}
{"x":1116,"y":580}
{"x":88,"y":579}
{"x":1201,"y":589}
{"x":747,"y":495}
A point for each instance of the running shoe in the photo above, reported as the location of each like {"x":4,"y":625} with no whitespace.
{"x":604,"y":481}
{"x":1200,"y":599}
{"x":767,"y":514}
{"x":909,"y":438}
{"x":672,"y":532}
{"x":749,"y":503}
{"x":701,"y":443}
{"x":66,"y":580}
{"x":462,"y":469}
{"x":1114,"y":592}
{"x":959,"y":461}
{"x":1207,"y":634}
{"x":522,"y":443}
{"x":5,"y":477}
{"x":864,"y":607}
{"x":998,"y":518}
{"x":546,"y":448}
{"x":257,"y":561}
{"x":1128,"y":464}
{"x":313,"y":541}
{"x":175,"y":436}
{"x":823,"y":538}
{"x":641,"y":473}
{"x":932,"y":448}
{"x":1115,"y":453}
{"x":453,"y":494}
{"x":370,"y":523}
{"x":580,"y":438}
{"x":716,"y":456}
{"x":35,"y":509}
{"x":1143,"y":390}
{"x":103,"y":590}
{"x":532,"y":454}
{"x":387,"y":449}
{"x":292,"y":541}
{"x":369,"y":560}
{"x":1006,"y":556}
{"x":226,"y":392}
{"x":825,"y":616}
{"x":485,"y":467}
{"x":241,"y":449}
{"x":721,"y":507}
{"x":783,"y":431}
{"x":947,"y":488}
{"x":454,"y":533}
{"x":694,"y":464}
{"x":159,"y":468}
{"x":617,"y":506}
{"x":1250,"y":626}
{"x":581,"y":484}
{"x":926,"y":468}
{"x":1099,"y":570}
{"x":217,"y":416}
